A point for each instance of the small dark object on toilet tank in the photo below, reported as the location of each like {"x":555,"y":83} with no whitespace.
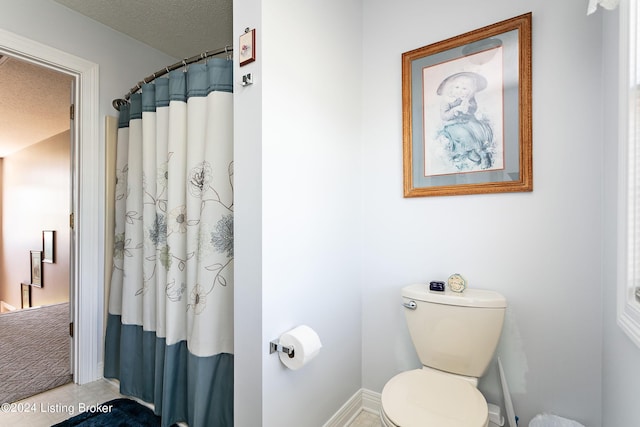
{"x":436,"y":285}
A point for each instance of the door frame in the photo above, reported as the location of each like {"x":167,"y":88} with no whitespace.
{"x":87,"y":263}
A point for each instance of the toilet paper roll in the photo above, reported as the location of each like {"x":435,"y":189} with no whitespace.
{"x":306,"y":345}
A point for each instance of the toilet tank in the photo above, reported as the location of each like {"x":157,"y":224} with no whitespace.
{"x":454,"y":332}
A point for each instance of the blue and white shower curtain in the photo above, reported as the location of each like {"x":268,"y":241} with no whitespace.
{"x":169,"y":338}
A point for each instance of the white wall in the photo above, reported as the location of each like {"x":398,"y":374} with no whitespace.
{"x":304,"y":192}
{"x":542,"y":250}
{"x":306,"y":182}
{"x":621,"y":370}
{"x":249,"y":348}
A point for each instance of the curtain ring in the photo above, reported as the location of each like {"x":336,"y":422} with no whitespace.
{"x":118,"y":103}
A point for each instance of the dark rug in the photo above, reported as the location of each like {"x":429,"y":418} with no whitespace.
{"x":114,"y":413}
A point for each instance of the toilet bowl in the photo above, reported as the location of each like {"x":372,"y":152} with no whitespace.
{"x":455,"y":336}
{"x":428,"y":398}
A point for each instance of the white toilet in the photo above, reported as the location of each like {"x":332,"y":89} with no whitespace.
{"x":455,"y":336}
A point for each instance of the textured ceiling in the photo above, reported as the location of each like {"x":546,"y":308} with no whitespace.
{"x":34,"y":104}
{"x":179,"y":28}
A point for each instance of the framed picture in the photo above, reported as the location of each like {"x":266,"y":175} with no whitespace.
{"x":48,"y":242}
{"x":247,"y":47}
{"x":26,"y":295}
{"x":466,"y":108}
{"x":36,"y":268}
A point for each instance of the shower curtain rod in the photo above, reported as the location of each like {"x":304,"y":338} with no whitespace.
{"x":196,"y":58}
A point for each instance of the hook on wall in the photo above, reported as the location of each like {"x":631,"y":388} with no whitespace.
{"x":247,"y":80}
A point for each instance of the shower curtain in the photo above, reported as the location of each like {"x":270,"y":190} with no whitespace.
{"x":169,"y":338}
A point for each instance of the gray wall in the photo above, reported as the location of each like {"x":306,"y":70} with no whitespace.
{"x":542,"y":250}
{"x":311,"y":202}
{"x":298,"y":208}
{"x":621,"y":370}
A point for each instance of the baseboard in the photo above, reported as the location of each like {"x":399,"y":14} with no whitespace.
{"x":370,"y":401}
{"x":101,"y":369}
{"x":362,"y":400}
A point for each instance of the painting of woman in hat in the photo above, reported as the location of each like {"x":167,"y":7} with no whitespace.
{"x":468,"y":140}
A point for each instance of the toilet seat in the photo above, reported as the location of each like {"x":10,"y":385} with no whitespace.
{"x":425,"y":398}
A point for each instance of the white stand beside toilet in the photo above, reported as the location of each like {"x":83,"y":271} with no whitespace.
{"x":455,"y":336}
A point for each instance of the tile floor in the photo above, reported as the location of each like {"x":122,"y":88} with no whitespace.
{"x":54,"y":406}
{"x":366,"y":419}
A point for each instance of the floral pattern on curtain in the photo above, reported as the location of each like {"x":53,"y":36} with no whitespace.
{"x":169,"y":338}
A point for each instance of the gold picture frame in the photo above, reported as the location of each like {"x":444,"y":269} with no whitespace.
{"x":466,"y":108}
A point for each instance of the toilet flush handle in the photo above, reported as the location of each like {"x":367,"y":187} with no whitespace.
{"x":411,"y":305}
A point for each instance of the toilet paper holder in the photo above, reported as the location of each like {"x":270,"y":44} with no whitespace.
{"x":276,"y":346}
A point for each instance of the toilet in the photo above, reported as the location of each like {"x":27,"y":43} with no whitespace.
{"x":455,"y":336}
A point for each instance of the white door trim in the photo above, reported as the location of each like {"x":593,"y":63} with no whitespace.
{"x":87,"y":299}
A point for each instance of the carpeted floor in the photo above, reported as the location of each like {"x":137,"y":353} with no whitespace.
{"x":34,"y":351}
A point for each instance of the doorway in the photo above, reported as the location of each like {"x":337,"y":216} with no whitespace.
{"x":86,"y":292}
{"x":36,"y":153}
{"x":36,"y":255}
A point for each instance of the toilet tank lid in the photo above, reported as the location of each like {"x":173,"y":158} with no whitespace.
{"x":469,"y":298}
